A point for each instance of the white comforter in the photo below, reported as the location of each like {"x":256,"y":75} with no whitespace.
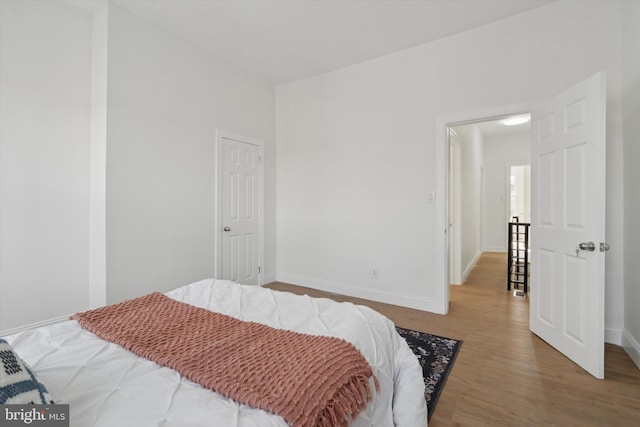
{"x":109,"y":386}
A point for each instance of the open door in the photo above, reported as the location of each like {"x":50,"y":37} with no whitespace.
{"x":568,"y":223}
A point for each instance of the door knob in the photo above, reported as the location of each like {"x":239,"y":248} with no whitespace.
{"x":227,"y":228}
{"x":587,"y":246}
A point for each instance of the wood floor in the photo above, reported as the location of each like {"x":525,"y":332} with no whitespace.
{"x":504,"y":375}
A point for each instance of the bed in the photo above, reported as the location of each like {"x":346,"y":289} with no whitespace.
{"x":107,"y":385}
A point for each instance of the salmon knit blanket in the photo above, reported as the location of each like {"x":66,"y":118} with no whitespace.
{"x":307,"y":380}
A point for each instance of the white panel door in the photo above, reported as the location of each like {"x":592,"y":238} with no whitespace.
{"x":568,"y":196}
{"x":240,"y":206}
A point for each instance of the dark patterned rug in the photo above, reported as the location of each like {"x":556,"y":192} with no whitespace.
{"x":436,"y":356}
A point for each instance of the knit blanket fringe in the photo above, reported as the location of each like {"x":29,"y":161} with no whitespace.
{"x":310,"y":381}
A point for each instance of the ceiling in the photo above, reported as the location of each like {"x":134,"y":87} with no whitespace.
{"x":496,"y":127}
{"x":281,"y":41}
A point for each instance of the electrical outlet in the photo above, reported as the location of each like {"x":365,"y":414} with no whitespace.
{"x":374,"y":273}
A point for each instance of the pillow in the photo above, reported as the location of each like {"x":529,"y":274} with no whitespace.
{"x":18,"y":383}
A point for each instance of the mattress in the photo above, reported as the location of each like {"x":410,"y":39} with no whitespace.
{"x":106,"y":385}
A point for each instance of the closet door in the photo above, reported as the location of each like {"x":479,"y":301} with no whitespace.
{"x":241,"y":170}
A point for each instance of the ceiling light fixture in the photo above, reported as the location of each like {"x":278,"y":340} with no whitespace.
{"x":516,"y":120}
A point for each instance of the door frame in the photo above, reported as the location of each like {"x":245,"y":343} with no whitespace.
{"x":443,"y":123}
{"x":454,"y":218}
{"x":218,"y":233}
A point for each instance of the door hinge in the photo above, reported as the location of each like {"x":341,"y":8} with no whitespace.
{"x":259,"y":269}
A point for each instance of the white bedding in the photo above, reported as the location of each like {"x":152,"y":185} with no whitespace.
{"x":109,"y":386}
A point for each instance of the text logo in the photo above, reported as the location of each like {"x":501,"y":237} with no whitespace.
{"x":34,"y":415}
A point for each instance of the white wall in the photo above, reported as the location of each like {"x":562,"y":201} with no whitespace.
{"x":471,"y":144}
{"x":500,"y":152}
{"x":45,"y":66}
{"x":153,"y":102}
{"x":166,"y":98}
{"x":356,"y":147}
{"x":631,"y":110}
{"x":98,"y":141}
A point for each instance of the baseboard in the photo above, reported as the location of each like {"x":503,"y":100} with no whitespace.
{"x":613,"y":336}
{"x":470,"y":266}
{"x":395,"y":298}
{"x":631,"y":346}
{"x":12,"y":331}
{"x":269,"y":277}
{"x":500,"y":249}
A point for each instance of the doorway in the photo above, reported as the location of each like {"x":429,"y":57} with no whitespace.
{"x":568,"y":203}
{"x":489,"y":184}
{"x":520,"y":193}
